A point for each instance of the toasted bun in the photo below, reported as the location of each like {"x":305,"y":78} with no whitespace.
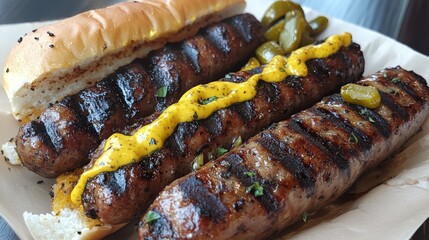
{"x":65,"y":57}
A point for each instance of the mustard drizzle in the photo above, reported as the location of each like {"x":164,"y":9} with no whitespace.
{"x":121,"y":150}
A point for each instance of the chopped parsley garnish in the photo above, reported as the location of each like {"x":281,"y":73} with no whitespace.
{"x":396,"y":80}
{"x":250,"y":174}
{"x":353,"y":138}
{"x":151,"y":217}
{"x":305,"y":216}
{"x":256,"y":189}
{"x":161,"y":92}
{"x":221,"y":151}
{"x":152,"y":141}
{"x":208,"y":100}
{"x":365,"y":112}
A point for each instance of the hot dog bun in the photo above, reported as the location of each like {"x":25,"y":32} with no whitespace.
{"x":63,"y":58}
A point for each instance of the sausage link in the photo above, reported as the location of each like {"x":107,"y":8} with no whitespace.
{"x":61,"y":139}
{"x":295,"y":166}
{"x":128,"y":191}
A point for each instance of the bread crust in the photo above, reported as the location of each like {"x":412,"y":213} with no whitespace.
{"x":76,"y":52}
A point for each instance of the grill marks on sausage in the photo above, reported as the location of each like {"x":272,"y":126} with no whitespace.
{"x":245,"y":110}
{"x":190,"y":51}
{"x":133,"y":83}
{"x":244,"y":27}
{"x":362,"y":139}
{"x":37,"y":128}
{"x":394,"y":106}
{"x":177,"y":141}
{"x":270,"y":91}
{"x":409,"y":90}
{"x":281,"y":152}
{"x":80,"y":120}
{"x":213,"y":124}
{"x":54,"y":136}
{"x":331,"y":149}
{"x":378,"y":121}
{"x":208,"y":204}
{"x":99,"y":103}
{"x":275,"y":102}
{"x":219,"y":38}
{"x":237,"y":168}
{"x":301,"y":146}
{"x":126,"y":96}
{"x":116,"y":181}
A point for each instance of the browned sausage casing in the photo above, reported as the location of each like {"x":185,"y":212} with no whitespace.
{"x":301,"y":164}
{"x":119,"y":196}
{"x":61,"y":139}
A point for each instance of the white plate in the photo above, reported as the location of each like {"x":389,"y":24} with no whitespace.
{"x":393,"y":210}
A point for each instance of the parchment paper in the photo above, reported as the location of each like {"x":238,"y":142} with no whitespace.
{"x":392,"y":210}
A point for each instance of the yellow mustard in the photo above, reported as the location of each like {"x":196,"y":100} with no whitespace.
{"x":199,"y":103}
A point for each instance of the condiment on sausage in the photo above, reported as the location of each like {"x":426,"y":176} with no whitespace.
{"x":199,"y":103}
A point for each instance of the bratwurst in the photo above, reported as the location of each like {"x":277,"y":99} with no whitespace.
{"x":117,"y":197}
{"x":61,"y":139}
{"x":295,"y":166}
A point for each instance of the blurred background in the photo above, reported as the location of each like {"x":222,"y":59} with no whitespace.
{"x":403,"y":20}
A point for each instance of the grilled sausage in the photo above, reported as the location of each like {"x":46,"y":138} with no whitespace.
{"x":61,"y":139}
{"x":128,"y":191}
{"x":295,"y":166}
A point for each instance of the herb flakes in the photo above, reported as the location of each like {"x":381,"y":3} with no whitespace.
{"x":353,"y":138}
{"x":151,"y":217}
{"x":305,"y":217}
{"x":256,"y":188}
{"x":221,"y":151}
{"x":208,"y":100}
{"x":161,"y":92}
{"x":396,"y":80}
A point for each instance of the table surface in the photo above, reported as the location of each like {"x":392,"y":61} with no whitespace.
{"x":380,"y":15}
